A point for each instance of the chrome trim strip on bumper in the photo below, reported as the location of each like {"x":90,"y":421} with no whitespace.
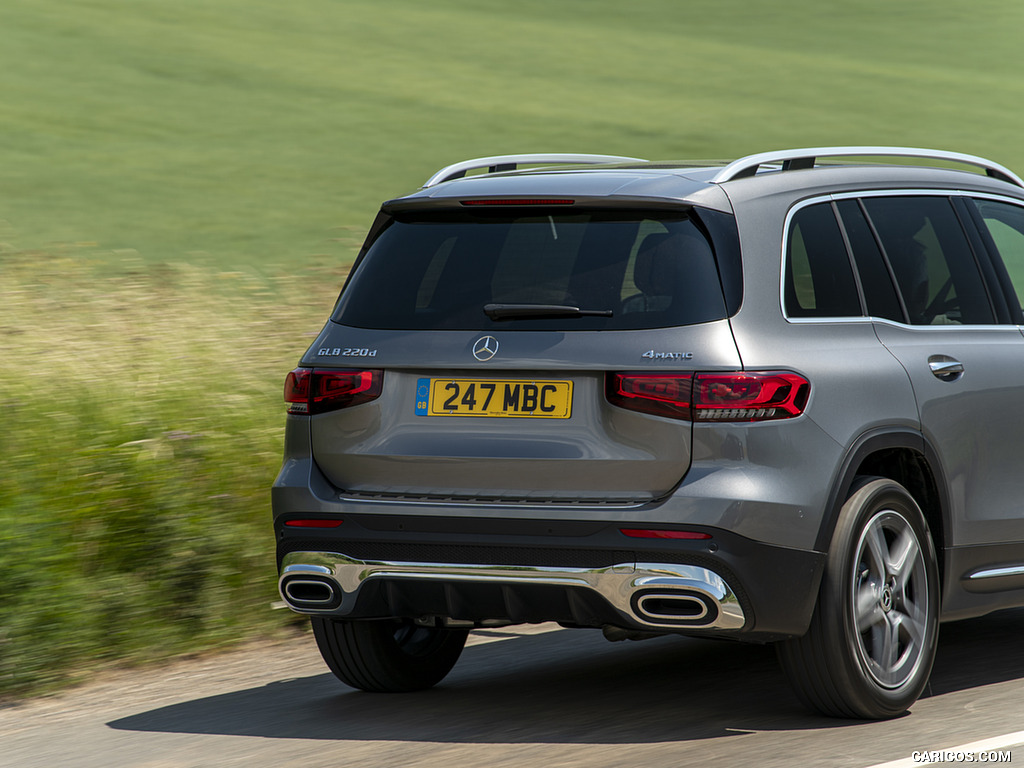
{"x":620,"y":585}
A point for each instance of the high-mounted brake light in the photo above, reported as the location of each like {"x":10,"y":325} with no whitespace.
{"x":521,"y":201}
{"x":734,"y":396}
{"x":316,"y":390}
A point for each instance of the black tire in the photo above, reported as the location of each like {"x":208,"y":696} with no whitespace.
{"x":871,"y":643}
{"x":387,"y":656}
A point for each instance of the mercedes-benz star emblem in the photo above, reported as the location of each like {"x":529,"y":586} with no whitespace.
{"x":485,"y":348}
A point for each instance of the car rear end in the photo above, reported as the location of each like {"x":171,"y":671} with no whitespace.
{"x":528,"y":406}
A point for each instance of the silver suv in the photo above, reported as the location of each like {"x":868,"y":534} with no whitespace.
{"x":772,"y":400}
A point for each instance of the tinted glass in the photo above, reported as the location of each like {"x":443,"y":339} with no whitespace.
{"x":1005,"y":223}
{"x":932,"y":260}
{"x":637,"y":270}
{"x":875,"y":280}
{"x":819,"y":278}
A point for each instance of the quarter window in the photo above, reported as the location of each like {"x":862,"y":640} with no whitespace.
{"x":819,"y":278}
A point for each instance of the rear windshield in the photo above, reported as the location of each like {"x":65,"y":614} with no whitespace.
{"x":557,"y":270}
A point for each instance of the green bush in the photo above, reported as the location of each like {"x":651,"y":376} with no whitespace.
{"x":141,"y":432}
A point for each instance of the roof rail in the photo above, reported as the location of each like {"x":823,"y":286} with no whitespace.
{"x":796,"y":159}
{"x":511,"y":162}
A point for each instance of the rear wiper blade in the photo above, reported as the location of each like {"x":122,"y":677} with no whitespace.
{"x":531,"y":311}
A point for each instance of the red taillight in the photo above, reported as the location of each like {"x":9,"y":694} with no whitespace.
{"x":741,"y":396}
{"x":318,"y":390}
{"x":651,"y":533}
{"x":749,"y":396}
{"x":660,"y":394}
{"x":296,"y":390}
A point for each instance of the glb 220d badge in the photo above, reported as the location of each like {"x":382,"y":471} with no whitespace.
{"x":346,"y":352}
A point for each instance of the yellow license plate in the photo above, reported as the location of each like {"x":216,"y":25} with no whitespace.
{"x":534,"y":399}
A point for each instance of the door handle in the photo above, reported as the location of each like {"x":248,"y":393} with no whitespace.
{"x":945,"y":368}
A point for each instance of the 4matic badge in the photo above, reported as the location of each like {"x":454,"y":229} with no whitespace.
{"x":652,"y":355}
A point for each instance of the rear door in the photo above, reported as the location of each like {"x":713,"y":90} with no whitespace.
{"x":964,"y":358}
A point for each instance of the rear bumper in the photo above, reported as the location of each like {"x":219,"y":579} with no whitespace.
{"x":490,"y":572}
{"x":657,"y":596}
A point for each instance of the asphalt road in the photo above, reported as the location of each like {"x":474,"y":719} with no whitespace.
{"x":525,"y":697}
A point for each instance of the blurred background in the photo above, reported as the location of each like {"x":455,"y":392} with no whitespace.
{"x":184,"y":185}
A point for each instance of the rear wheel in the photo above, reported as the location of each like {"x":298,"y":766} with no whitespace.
{"x":387,"y":656}
{"x":871,"y":643}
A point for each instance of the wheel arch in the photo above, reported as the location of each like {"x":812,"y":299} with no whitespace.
{"x":902,"y":455}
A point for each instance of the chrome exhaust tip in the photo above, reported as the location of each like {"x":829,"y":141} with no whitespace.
{"x":307,"y":592}
{"x":675,"y":608}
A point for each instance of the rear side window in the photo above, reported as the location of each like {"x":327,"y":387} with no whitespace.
{"x":622,"y":270}
{"x":931,"y":258}
{"x":819,"y":277}
{"x":875,"y":280}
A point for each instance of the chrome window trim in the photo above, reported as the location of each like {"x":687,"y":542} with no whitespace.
{"x":835,"y":197}
{"x":901,"y":192}
{"x":998,"y":198}
{"x":987,"y":327}
{"x":828,"y":320}
{"x":871,"y":319}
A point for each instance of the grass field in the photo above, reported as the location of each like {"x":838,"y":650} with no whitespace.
{"x":182,"y":186}
{"x":255,"y":133}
